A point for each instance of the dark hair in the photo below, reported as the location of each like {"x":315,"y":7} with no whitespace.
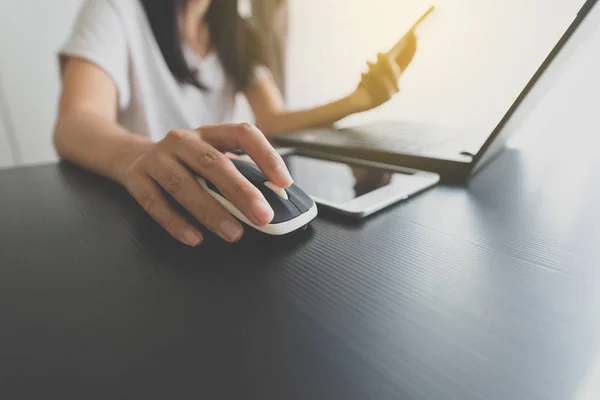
{"x":232,"y":38}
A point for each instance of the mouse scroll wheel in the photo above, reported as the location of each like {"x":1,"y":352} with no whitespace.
{"x":279,"y":191}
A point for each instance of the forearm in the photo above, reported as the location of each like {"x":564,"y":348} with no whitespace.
{"x":281,"y":122}
{"x":95,"y":143}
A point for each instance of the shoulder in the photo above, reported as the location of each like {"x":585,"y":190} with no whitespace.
{"x":108,"y":14}
{"x":108,"y":26}
{"x":101,"y":35}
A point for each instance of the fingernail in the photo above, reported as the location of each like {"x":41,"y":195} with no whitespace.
{"x":282,"y":169}
{"x":192,"y":237}
{"x":263,"y":213}
{"x":230,"y":230}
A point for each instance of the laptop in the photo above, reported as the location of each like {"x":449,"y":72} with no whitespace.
{"x":448,"y":144}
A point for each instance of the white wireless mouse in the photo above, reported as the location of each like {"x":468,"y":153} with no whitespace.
{"x":293,"y":209}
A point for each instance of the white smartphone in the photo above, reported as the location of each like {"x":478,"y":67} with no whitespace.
{"x":351,"y":186}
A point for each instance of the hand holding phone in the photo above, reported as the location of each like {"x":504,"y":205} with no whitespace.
{"x":381,"y":82}
{"x":378,"y":85}
{"x":404,"y":50}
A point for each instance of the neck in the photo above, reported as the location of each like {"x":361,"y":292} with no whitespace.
{"x":194,"y":30}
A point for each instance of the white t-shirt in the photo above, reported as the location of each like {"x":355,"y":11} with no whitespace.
{"x":116,"y":36}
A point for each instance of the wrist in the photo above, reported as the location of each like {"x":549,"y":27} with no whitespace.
{"x":355,"y":102}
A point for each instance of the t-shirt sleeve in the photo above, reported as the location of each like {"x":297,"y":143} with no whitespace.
{"x":98,"y":36}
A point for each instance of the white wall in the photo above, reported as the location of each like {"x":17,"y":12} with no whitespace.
{"x":30,"y":33}
{"x":5,"y":154}
{"x":474,"y":56}
{"x":6,"y":158}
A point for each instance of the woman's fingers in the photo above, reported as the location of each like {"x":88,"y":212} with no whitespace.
{"x":382,"y":79}
{"x":173,"y":163}
{"x":152,"y":200}
{"x":390,"y":69}
{"x":217,"y":168}
{"x":253,"y":142}
{"x":408,"y":51}
{"x":380,"y":88}
{"x":176,"y":180}
{"x":372,"y":67}
{"x":233,"y":156}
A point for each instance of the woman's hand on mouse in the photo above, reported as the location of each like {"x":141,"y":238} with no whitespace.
{"x":171,"y":163}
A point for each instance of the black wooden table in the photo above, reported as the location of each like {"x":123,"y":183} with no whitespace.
{"x":481,"y":292}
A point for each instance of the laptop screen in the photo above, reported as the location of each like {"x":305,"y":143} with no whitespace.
{"x":473,"y":60}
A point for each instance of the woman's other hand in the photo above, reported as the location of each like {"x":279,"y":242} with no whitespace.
{"x":170,"y":165}
{"x":381,"y":82}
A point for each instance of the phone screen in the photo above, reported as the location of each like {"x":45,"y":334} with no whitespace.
{"x":336,"y":181}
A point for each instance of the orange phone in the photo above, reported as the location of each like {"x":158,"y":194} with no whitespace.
{"x":397,"y":52}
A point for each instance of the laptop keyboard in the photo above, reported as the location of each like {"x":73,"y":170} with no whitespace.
{"x":396,"y":136}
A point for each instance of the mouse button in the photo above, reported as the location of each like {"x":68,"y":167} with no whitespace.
{"x":299,"y":198}
{"x":279,"y":191}
{"x":254,"y":176}
{"x":246,"y":167}
{"x":283,"y":210}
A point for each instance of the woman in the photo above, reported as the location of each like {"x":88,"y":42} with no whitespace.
{"x":139,"y":76}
